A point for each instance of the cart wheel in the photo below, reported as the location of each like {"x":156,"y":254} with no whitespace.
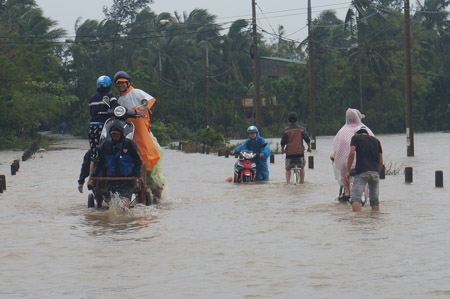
{"x":148,"y":199}
{"x":91,"y":201}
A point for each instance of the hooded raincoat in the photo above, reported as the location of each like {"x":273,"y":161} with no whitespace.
{"x":258,"y":145}
{"x":341,"y":143}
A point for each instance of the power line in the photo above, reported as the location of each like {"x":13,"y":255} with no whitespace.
{"x":182,"y":30}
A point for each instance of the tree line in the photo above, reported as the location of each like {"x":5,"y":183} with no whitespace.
{"x":199,"y":70}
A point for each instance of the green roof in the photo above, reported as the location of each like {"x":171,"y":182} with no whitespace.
{"x":283,"y":59}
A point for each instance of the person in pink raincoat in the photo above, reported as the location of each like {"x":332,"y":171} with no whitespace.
{"x":341,"y":149}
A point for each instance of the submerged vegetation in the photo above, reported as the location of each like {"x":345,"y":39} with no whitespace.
{"x":48,"y":77}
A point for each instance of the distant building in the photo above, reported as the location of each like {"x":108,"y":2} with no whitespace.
{"x":275,"y":67}
{"x":270,"y":67}
{"x":248,"y":101}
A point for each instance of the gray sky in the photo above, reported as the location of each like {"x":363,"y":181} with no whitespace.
{"x":292,"y":14}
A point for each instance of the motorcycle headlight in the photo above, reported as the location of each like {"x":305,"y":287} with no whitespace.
{"x":248,"y":155}
{"x":120,"y":111}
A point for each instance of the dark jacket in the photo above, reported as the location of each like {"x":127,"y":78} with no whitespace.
{"x":118,"y":159}
{"x":84,"y":173}
{"x":97,"y":105}
{"x":293,"y":137}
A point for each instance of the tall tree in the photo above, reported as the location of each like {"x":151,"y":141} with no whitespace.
{"x":29,"y":58}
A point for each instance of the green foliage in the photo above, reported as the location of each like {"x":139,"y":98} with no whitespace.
{"x":162,"y":132}
{"x":45,"y":82}
{"x":13,"y":142}
{"x":209,"y":137}
{"x":32,"y":95}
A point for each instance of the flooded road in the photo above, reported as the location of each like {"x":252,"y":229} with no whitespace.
{"x":214,"y":239}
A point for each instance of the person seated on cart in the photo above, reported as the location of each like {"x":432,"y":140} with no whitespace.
{"x":118,"y":157}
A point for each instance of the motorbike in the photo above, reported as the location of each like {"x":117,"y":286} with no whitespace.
{"x":245,"y":168}
{"x":120,"y":113}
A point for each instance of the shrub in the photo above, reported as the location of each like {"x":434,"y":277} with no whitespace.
{"x":208,"y":137}
{"x":162,"y":132}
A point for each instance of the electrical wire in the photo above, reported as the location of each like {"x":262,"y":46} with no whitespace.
{"x":100,"y":38}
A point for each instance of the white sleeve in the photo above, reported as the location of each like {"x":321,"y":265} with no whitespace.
{"x":143,"y":95}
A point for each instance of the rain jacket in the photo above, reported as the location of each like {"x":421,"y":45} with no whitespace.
{"x":341,"y":143}
{"x":118,"y":159}
{"x":148,"y":150}
{"x":96,"y":105}
{"x":293,"y":137}
{"x":258,"y":145}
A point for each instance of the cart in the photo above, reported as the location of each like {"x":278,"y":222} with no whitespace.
{"x":100,"y":192}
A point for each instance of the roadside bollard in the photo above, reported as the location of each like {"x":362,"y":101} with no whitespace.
{"x":17,"y":162}
{"x":2,"y":182}
{"x":207,"y":150}
{"x":226,"y":154}
{"x":203,"y":148}
{"x":311,"y":162}
{"x":272,"y":158}
{"x":180,"y":146}
{"x":408,"y":175}
{"x":439,"y":179}
{"x":13,"y":169}
{"x":383,"y":173}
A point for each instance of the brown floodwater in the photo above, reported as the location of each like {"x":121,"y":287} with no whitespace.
{"x":209,"y":238}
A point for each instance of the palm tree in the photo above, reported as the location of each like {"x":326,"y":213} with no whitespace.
{"x":29,"y":60}
{"x":235,"y":49}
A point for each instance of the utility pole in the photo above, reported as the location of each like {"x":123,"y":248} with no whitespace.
{"x":160,"y":100}
{"x":409,"y":121}
{"x":163,"y":23}
{"x":359,"y":64}
{"x":207,"y":88}
{"x":257,"y":97}
{"x":312,"y":90}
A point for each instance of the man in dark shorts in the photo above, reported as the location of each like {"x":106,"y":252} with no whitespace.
{"x":99,"y":103}
{"x":292,"y":145}
{"x":369,"y":161}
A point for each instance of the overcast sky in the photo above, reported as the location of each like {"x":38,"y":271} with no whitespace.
{"x":292,"y":14}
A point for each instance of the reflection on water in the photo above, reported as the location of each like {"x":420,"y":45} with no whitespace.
{"x":214,"y":239}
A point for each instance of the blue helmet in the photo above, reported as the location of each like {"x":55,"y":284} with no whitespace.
{"x":103,"y":82}
{"x":252,"y":129}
